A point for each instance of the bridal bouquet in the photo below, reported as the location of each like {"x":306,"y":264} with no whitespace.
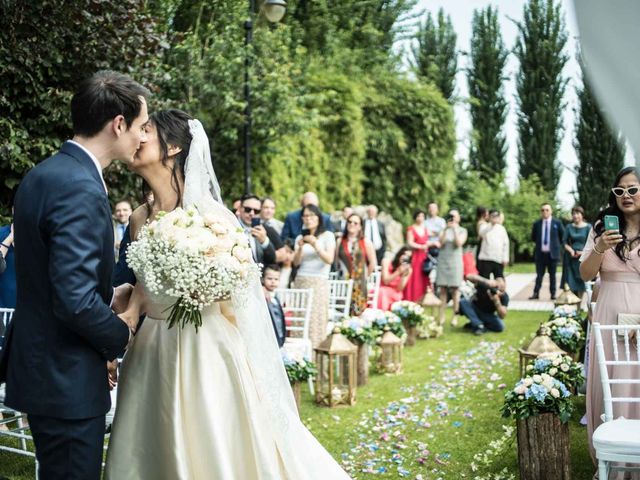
{"x":195,"y":258}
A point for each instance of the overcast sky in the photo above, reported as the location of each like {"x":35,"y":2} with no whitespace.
{"x":461,"y":12}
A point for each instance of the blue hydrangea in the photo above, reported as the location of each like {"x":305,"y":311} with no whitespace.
{"x":381,"y":321}
{"x":566,"y":332}
{"x":537,"y":391}
{"x":354,"y":324}
{"x":563,"y":390}
{"x":541,"y":364}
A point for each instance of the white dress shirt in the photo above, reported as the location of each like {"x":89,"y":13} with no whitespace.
{"x":372,"y":232}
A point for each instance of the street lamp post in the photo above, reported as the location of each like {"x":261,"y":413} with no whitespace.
{"x":274,"y":10}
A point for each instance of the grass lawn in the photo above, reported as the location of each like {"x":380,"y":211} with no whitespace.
{"x":438,"y":420}
{"x":520,"y":268}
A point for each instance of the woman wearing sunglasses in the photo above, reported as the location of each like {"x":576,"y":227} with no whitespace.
{"x":614,"y":254}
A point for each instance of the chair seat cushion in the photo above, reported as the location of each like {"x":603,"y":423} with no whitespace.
{"x":619,"y":436}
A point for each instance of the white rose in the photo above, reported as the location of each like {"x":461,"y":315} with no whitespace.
{"x":224,"y":244}
{"x":553,"y":371}
{"x":243,"y":254}
{"x":219,"y":229}
{"x":528,"y":382}
{"x":537,"y":378}
{"x":556,"y":362}
{"x":564,"y":367}
{"x":529,"y":368}
{"x":520,"y":390}
{"x":555,"y":393}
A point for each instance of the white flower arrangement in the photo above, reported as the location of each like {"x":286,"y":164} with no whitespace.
{"x":193,"y":258}
{"x":429,"y":328}
{"x":410,"y":312}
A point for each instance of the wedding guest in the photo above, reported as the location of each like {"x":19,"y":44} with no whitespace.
{"x":547,"y":233}
{"x":8,"y":276}
{"x":270,"y":282}
{"x":286,"y":266}
{"x":293,"y":221}
{"x":375,"y":232}
{"x":614,"y":255}
{"x":418,"y":240}
{"x":235,"y":206}
{"x":395,"y":276}
{"x":121,"y":213}
{"x":482,"y":218}
{"x":434,"y":223}
{"x":575,"y":238}
{"x":356,"y":259}
{"x":494,"y":249}
{"x":450,"y":268}
{"x":267,"y":214}
{"x":340,"y":224}
{"x":261,"y":237}
{"x":314,"y":254}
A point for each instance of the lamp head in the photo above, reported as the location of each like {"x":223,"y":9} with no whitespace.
{"x":274,"y":10}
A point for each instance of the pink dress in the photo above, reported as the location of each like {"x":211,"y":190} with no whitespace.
{"x":418,"y":282}
{"x":389,"y":293}
{"x":619,"y":288}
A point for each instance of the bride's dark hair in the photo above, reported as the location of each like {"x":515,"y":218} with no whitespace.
{"x":173,"y":129}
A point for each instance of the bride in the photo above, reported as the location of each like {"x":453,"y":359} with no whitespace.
{"x":212,"y":405}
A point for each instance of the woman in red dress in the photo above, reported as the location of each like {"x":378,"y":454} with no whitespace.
{"x":395,"y":275}
{"x":418,"y":240}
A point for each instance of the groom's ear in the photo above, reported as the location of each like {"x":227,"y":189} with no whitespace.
{"x":174,"y":150}
{"x":118,"y":125}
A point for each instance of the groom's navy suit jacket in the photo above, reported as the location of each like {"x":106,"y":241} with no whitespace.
{"x":63,"y":330}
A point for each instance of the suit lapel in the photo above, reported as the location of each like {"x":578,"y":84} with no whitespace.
{"x":85,"y":161}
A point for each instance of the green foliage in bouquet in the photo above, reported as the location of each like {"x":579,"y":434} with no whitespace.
{"x":566,"y":332}
{"x":359,"y":330}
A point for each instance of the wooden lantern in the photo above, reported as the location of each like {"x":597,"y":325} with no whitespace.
{"x":390,"y":360}
{"x":567,"y":297}
{"x":540,"y":346}
{"x":337,"y":375}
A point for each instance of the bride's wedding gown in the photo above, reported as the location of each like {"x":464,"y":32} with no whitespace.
{"x":188,"y":409}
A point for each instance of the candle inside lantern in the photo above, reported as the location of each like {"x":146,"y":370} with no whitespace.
{"x":336,"y":394}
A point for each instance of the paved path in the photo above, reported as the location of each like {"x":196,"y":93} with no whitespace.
{"x":520,"y":287}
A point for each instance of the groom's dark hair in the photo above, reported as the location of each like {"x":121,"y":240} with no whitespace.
{"x":102,"y":97}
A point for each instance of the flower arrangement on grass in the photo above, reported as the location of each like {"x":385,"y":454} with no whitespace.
{"x":566,"y":311}
{"x":560,"y":367}
{"x":537,"y":394}
{"x":299,"y":368}
{"x":430,"y":328}
{"x":566,"y":332}
{"x":381,"y":319}
{"x":409,"y":312}
{"x":359,"y":330}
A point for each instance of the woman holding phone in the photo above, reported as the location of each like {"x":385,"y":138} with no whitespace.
{"x":314,"y":254}
{"x":613,"y":252}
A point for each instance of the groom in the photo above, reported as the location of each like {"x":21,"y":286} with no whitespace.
{"x":64,"y":330}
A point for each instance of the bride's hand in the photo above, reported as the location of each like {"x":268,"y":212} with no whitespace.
{"x":112,"y":373}
{"x":131,"y":318}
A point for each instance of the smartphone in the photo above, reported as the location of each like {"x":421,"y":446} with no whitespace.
{"x":305,"y":232}
{"x":256,"y":221}
{"x":611,"y":222}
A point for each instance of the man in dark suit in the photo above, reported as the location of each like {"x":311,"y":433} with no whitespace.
{"x":340,"y":224}
{"x":547,"y":234}
{"x":266,"y":245}
{"x":293,"y":221}
{"x":374,"y":231}
{"x":270,"y":282}
{"x":64,"y":331}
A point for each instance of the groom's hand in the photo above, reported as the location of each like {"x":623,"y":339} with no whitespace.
{"x":121,"y":295}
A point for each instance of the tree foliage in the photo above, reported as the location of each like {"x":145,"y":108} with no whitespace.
{"x":434,"y":54}
{"x":540,"y":84}
{"x":600,"y":153}
{"x":488,"y":107}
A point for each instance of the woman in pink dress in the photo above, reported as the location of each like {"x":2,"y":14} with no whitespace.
{"x":615,"y":255}
{"x":395,"y":276}
{"x":418,"y":240}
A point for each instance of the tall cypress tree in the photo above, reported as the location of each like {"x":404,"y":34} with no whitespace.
{"x":541,"y":86}
{"x":600,"y":153}
{"x":487,"y":103}
{"x":435,"y":56}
